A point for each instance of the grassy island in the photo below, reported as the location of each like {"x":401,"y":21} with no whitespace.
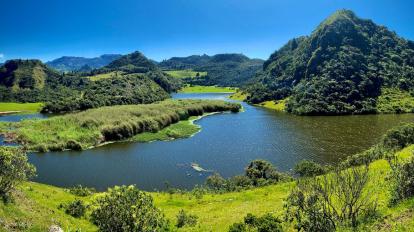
{"x":94,"y":127}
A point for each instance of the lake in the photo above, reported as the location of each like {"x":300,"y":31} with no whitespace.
{"x":226,"y":144}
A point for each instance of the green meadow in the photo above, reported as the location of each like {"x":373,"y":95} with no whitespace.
{"x":21,"y":107}
{"x":188,"y":73}
{"x":206,"y":89}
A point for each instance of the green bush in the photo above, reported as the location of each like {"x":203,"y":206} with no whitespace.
{"x":265,"y":223}
{"x":76,"y":209}
{"x":184,"y":219}
{"x":307,"y":168}
{"x":14,"y":169}
{"x":403,"y":180}
{"x":81,"y":191}
{"x":127,"y":209}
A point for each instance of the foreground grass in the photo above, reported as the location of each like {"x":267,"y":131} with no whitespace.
{"x":207,"y":89}
{"x":394,"y":100}
{"x":96,"y":126}
{"x":37,"y":206}
{"x":21,"y":107}
{"x":188,"y":73}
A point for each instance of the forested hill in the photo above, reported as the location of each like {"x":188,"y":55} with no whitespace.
{"x":220,"y":69}
{"x":340,"y":68}
{"x":72,"y":63}
{"x":132,"y":79}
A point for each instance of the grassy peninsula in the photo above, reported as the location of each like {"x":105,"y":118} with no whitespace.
{"x":20,"y":107}
{"x":93,"y":127}
{"x":206,"y":89}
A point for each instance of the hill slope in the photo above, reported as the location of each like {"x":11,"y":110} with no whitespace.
{"x":339,"y":69}
{"x":221,"y":69}
{"x":72,"y":63}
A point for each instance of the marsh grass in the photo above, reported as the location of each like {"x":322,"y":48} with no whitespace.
{"x":93,"y":127}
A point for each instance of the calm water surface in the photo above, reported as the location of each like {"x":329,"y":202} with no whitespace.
{"x":226,"y":144}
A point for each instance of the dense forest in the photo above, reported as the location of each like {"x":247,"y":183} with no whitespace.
{"x":73,"y":63}
{"x":340,"y":68}
{"x":139,"y":81}
{"x":221,"y":69}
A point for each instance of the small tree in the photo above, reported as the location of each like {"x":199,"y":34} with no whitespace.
{"x":127,"y":209}
{"x":402,"y":179}
{"x":265,"y":223}
{"x":319,"y":204}
{"x":306,"y":168}
{"x":76,"y":209}
{"x":14,"y":169}
{"x":262,"y":172}
{"x":184,"y":219}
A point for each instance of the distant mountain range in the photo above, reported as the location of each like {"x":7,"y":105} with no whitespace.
{"x":72,"y":63}
{"x":341,"y":68}
{"x":222,"y":69}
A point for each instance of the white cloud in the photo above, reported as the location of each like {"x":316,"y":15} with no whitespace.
{"x":1,"y":56}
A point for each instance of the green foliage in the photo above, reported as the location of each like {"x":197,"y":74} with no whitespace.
{"x":75,"y":208}
{"x":220,"y":69}
{"x":394,"y":100}
{"x":128,"y":209}
{"x":14,"y":169}
{"x":339,"y":69}
{"x":306,"y":168}
{"x":92,"y":127}
{"x":184,"y":219}
{"x":258,"y":173}
{"x":265,"y":223}
{"x":187,"y":73}
{"x":323,"y":203}
{"x":81,"y":191}
{"x":402,"y":179}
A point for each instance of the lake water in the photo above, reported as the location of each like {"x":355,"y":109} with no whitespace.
{"x":226,"y":144}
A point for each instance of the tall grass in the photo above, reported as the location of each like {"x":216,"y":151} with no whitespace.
{"x":96,"y":126}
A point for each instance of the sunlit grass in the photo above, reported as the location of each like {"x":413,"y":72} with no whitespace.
{"x":22,"y":107}
{"x":207,"y":89}
{"x":277,"y":105}
{"x":188,"y":73}
{"x":113,"y":74}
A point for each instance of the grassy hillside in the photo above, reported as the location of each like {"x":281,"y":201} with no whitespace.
{"x":96,"y":126}
{"x":112,"y":74}
{"x":37,"y":206}
{"x":394,"y":100}
{"x":187,"y":73}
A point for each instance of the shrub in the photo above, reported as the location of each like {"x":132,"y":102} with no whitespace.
{"x":81,"y":191}
{"x":184,"y":219}
{"x":265,"y":223}
{"x":128,"y":209}
{"x":76,"y":209}
{"x":321,"y":203}
{"x":403,"y":180}
{"x":307,"y":168}
{"x":262,"y":172}
{"x":14,"y":169}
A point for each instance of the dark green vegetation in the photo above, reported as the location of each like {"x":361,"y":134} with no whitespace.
{"x":306,"y":168}
{"x":128,"y":209}
{"x":96,"y":126}
{"x":72,"y":63}
{"x":258,"y":173}
{"x":14,"y":169}
{"x":139,"y":82}
{"x":221,"y":69}
{"x":339,"y":69}
{"x":265,"y":223}
{"x":185,"y":219}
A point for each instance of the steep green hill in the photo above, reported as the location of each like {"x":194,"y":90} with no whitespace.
{"x":221,"y":69}
{"x":339,"y":69}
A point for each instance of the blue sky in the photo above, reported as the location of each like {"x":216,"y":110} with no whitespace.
{"x":47,"y":29}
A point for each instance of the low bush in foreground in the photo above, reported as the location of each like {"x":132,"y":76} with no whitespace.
{"x":266,"y":223}
{"x":81,"y":191}
{"x":306,"y":168}
{"x":75,"y":208}
{"x":402,"y":177}
{"x":185,"y":219}
{"x":14,"y":169}
{"x":127,"y":209}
